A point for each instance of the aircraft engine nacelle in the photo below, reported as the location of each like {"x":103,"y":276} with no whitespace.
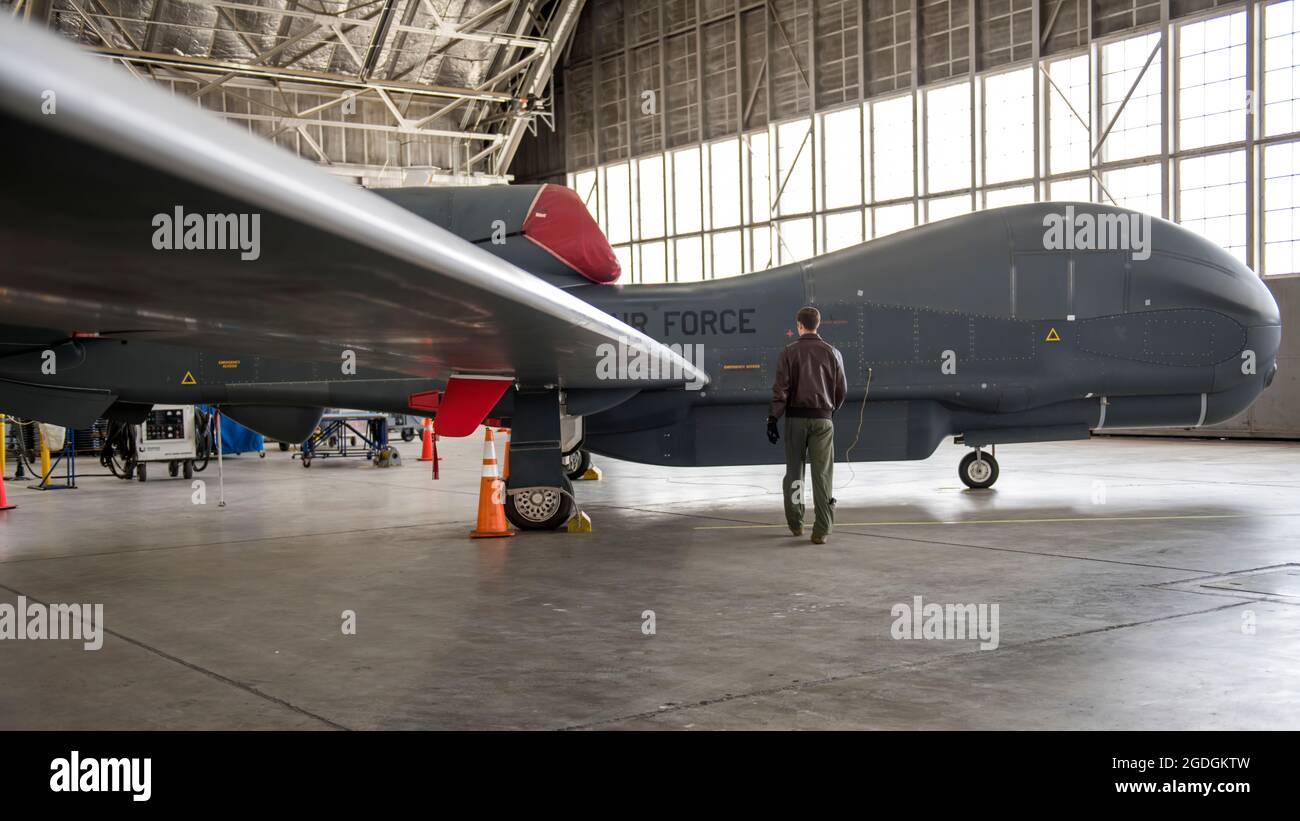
{"x":544,"y":229}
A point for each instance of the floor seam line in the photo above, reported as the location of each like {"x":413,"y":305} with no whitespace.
{"x":911,"y":665}
{"x":199,"y":669}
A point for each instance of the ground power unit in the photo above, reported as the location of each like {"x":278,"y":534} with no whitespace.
{"x":166,"y":435}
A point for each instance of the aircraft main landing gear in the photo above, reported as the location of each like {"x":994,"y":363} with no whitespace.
{"x":539,"y":495}
{"x":978,"y":470}
{"x":576,"y":463}
{"x":540,"y":508}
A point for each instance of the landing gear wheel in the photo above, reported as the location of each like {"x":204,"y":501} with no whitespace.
{"x":540,"y":508}
{"x":284,"y":446}
{"x":576,"y":463}
{"x":978,"y":470}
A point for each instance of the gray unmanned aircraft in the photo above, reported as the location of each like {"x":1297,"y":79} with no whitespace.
{"x":153,"y":254}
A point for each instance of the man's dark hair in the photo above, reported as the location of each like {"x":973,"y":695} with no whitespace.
{"x":809,"y":317}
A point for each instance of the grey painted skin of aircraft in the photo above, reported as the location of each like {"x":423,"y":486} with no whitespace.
{"x":969,"y":327}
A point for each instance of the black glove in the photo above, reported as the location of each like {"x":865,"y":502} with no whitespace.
{"x":773,"y":434}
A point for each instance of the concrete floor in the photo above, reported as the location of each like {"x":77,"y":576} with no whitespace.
{"x":1098,"y":554}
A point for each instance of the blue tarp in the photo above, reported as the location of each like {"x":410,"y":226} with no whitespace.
{"x":235,"y":438}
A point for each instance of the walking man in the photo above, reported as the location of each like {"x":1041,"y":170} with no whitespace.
{"x":810,"y":386}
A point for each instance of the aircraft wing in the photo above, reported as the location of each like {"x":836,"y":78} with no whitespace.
{"x":95,"y":164}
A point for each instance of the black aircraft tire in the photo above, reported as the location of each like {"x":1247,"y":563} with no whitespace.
{"x":978,"y":477}
{"x":544,"y":508}
{"x":576,"y":463}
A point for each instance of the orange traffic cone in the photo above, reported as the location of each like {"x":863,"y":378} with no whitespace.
{"x":4,"y":500}
{"x":491,"y":497}
{"x":505,"y":452}
{"x":426,"y":452}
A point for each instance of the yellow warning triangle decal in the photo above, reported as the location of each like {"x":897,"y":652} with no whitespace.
{"x":189,"y":379}
{"x":1053,"y":336}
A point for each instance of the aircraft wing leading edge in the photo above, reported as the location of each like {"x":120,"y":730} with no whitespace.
{"x":98,"y":161}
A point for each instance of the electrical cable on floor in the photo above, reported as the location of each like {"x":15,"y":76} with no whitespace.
{"x":862,"y":412}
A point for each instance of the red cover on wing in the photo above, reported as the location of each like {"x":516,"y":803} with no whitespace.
{"x":464,"y":405}
{"x":562,"y":225}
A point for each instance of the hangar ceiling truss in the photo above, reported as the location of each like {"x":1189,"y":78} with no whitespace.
{"x":372,"y":88}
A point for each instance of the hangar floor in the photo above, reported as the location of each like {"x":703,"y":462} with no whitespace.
{"x":1103,"y":556}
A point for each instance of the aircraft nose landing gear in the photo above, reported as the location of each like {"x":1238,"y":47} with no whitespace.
{"x":978,"y":470}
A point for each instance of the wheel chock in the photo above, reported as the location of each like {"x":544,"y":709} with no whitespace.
{"x":593,"y":474}
{"x":581,"y":523}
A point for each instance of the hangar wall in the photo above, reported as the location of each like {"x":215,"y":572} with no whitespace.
{"x":645,"y":80}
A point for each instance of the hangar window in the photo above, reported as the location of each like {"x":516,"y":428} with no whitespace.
{"x":1069,"y":114}
{"x":948,"y":132}
{"x":1137,"y":187}
{"x":1212,"y":81}
{"x":841,"y":176}
{"x":1015,"y":195}
{"x":687,"y":206}
{"x":1096,"y":115}
{"x":758,"y":160}
{"x":1009,"y":126}
{"x":892,"y":218}
{"x":842,"y":229}
{"x":650,"y":197}
{"x":795,"y":240}
{"x":624,"y":255}
{"x":1212,"y":199}
{"x":724,"y":183}
{"x":618,"y":204}
{"x":1131,"y":72}
{"x":727,"y":257}
{"x":654,"y":262}
{"x":1282,"y":208}
{"x":1074,"y":189}
{"x":1281,"y":71}
{"x":689,"y":255}
{"x":794,"y":164}
{"x":760,"y":248}
{"x":585,"y":184}
{"x":941,"y":208}
{"x":891,"y":152}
